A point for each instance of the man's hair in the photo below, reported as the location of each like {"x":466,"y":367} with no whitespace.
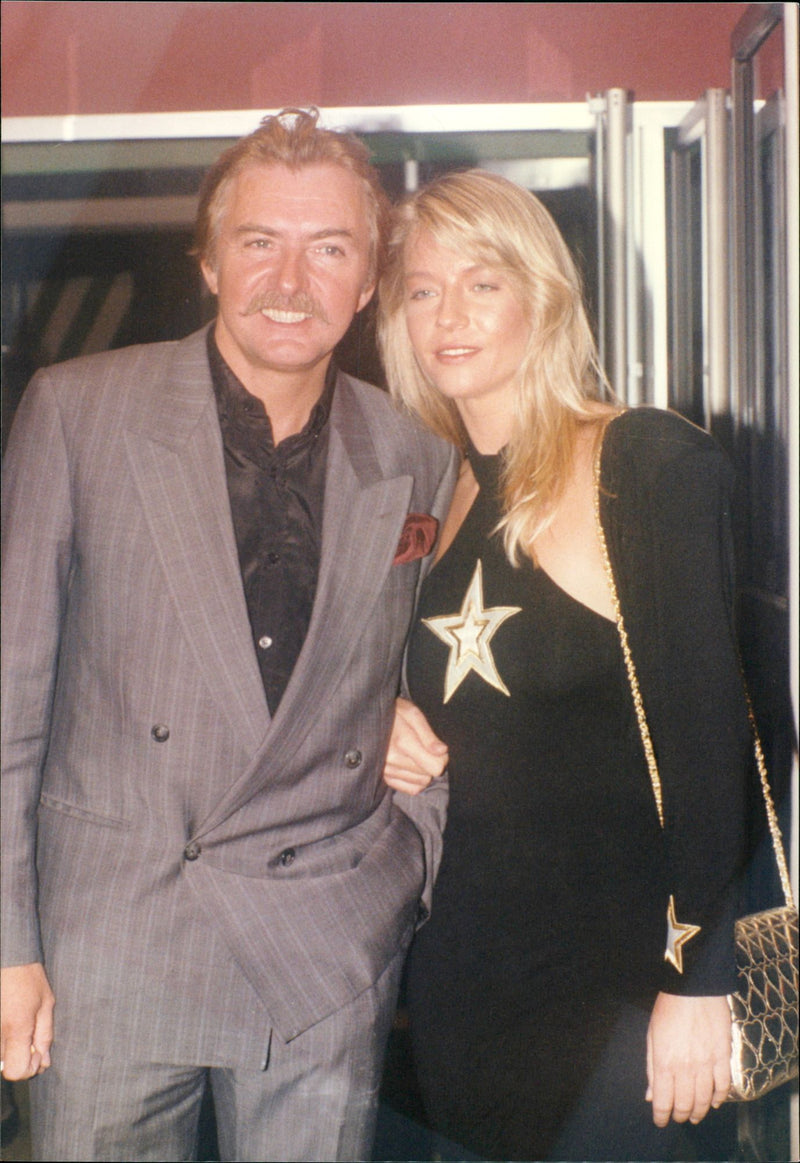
{"x":494,"y":222}
{"x":293,"y":139}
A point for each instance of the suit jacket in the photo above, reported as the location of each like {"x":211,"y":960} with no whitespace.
{"x":203,"y":872}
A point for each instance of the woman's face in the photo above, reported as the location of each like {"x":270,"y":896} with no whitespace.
{"x":466,"y":324}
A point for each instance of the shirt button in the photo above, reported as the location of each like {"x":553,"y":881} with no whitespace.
{"x":192,"y":851}
{"x":265,"y":642}
{"x":160,"y":732}
{"x":287,"y":857}
{"x":353,"y":758}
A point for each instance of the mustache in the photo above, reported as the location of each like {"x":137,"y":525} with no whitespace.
{"x":302,"y":303}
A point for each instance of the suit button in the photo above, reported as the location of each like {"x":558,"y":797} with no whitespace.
{"x":287,"y":857}
{"x":422,"y":913}
{"x":192,"y":851}
{"x":160,"y":732}
{"x":353,"y":758}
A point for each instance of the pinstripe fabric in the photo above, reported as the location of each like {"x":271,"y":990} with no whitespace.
{"x":124,"y":611}
{"x":316,"y":1101}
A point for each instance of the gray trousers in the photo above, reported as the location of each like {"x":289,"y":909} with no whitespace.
{"x":316,"y":1100}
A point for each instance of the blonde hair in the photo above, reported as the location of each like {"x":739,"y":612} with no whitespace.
{"x":291,"y":138}
{"x":494,"y":222}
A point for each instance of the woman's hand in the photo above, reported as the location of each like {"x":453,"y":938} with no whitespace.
{"x":688,"y":1057}
{"x":416,"y":756}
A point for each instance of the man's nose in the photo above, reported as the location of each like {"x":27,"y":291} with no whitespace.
{"x":291,"y":271}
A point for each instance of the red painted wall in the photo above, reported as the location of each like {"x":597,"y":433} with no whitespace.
{"x":91,"y":57}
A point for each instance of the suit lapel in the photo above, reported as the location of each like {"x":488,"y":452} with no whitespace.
{"x":175,"y":452}
{"x":363,"y":518}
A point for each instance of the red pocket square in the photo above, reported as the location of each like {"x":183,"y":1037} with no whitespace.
{"x":417,"y":539}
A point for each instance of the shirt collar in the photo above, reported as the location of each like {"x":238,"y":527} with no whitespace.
{"x":234,"y":402}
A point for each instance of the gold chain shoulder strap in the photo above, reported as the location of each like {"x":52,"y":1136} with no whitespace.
{"x":772,"y":815}
{"x":633,"y":680}
{"x":644,"y":730}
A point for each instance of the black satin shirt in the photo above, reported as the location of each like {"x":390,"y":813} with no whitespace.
{"x":276,"y":497}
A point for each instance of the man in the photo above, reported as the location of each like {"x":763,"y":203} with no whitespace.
{"x":205,"y":616}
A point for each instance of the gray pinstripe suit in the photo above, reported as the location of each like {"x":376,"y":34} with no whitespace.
{"x":204,"y":875}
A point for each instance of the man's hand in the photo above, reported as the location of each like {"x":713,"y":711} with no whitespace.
{"x":26,"y":1020}
{"x":416,"y":755}
{"x":688,"y":1057}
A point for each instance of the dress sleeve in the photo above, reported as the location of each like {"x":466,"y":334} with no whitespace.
{"x":666,"y":510}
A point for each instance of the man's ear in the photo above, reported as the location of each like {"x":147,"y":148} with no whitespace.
{"x":364,"y":297}
{"x":210,"y":276}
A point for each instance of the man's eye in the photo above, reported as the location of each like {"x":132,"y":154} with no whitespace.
{"x":330,"y":248}
{"x":259,"y":243}
{"x":420,"y":293}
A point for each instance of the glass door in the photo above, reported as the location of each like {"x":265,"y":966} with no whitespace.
{"x":699,"y":248}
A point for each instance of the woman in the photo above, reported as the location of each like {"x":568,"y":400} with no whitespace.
{"x":551,"y":999}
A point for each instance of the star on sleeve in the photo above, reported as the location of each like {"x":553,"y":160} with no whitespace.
{"x":677,"y":936}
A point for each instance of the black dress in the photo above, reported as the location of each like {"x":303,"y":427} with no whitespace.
{"x":530,"y":986}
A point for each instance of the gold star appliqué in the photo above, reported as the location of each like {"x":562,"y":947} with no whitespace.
{"x":468,"y":634}
{"x":677,"y":936}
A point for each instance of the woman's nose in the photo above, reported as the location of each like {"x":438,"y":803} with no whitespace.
{"x":452,"y":312}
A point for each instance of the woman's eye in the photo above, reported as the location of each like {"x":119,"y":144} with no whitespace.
{"x":420,"y":293}
{"x":486,"y":287}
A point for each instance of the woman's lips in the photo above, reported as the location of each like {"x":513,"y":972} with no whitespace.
{"x":452,"y":354}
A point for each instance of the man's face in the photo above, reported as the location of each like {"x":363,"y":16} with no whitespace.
{"x":290,"y":268}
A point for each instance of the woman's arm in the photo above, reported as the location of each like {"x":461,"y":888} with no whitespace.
{"x":666,"y":514}
{"x":666,"y":511}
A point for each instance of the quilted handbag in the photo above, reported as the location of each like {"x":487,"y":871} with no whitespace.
{"x":764,"y":1009}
